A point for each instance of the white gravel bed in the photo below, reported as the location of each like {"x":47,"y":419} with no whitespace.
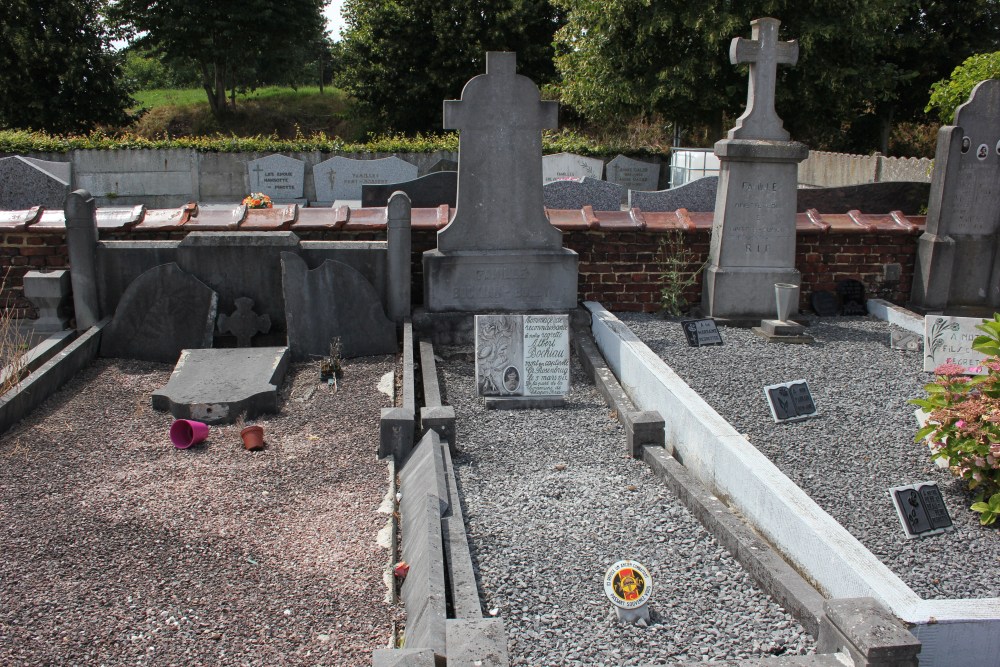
{"x":551,"y":501}
{"x":117,"y":549}
{"x":859,"y":445}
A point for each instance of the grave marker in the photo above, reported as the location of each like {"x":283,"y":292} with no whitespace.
{"x":599,"y":195}
{"x":341,"y":178}
{"x":563,"y":166}
{"x":948,"y":340}
{"x":921,"y":509}
{"x":790,"y":401}
{"x":633,"y":174}
{"x":701,"y":332}
{"x":26,"y":182}
{"x":279,"y":177}
{"x":522,"y":355}
{"x":629,"y":586}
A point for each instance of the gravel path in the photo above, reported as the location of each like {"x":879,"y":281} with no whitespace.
{"x":552,"y":501}
{"x":118,"y":549}
{"x":860,"y":445}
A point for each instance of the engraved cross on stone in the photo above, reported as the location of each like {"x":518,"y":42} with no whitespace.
{"x":500,"y":119}
{"x":256,"y":170}
{"x":764,"y":53}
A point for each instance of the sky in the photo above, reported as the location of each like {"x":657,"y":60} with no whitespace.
{"x":333,"y":21}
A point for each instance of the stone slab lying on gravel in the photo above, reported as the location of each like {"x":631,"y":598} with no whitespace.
{"x":552,"y":500}
{"x":119,"y":549}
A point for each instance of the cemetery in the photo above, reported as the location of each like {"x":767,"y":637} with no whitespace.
{"x":483,"y":443}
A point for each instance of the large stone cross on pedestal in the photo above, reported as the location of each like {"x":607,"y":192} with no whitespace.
{"x":500,"y":119}
{"x":764,"y":53}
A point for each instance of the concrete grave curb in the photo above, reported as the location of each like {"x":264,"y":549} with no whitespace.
{"x":893,"y":314}
{"x":434,"y":415}
{"x":396,"y":425}
{"x":809,"y":538}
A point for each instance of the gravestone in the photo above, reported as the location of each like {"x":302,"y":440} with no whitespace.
{"x":427,"y":191}
{"x":701,"y":332}
{"x":852,"y":297}
{"x":698,"y":196}
{"x":499,"y":252}
{"x":564,"y":166}
{"x":163,"y":311}
{"x":444,"y":164}
{"x":341,"y":178}
{"x":244,"y":323}
{"x":600,"y":195}
{"x":948,"y":340}
{"x":790,"y":401}
{"x":958,"y":264}
{"x":633,"y":174}
{"x":753,"y":233}
{"x":825,"y":303}
{"x":27,"y":182}
{"x":49,"y":292}
{"x":921,"y":509}
{"x":333,"y":301}
{"x":279,"y":177}
{"x":522,"y":355}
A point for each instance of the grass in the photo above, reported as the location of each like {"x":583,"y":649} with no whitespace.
{"x":273,"y":110}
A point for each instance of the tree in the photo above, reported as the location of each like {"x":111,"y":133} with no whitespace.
{"x":948,"y":94}
{"x":234,"y":43}
{"x":401,"y":58}
{"x":57,"y":71}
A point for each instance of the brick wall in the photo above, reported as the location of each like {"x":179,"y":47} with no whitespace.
{"x":621,"y":254}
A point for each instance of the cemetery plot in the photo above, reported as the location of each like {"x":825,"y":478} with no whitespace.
{"x":118,"y":548}
{"x":551,"y":502}
{"x":860,"y":445}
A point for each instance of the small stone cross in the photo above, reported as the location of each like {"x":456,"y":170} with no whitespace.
{"x":764,"y":53}
{"x":244,"y":323}
{"x":256,"y":170}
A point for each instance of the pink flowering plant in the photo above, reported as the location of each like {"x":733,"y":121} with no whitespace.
{"x":964,"y":423}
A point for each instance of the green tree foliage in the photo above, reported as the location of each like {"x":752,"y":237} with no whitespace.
{"x":57,"y":72}
{"x":235,"y":44}
{"x":858,"y":59}
{"x":948,"y":94}
{"x":401,"y":58}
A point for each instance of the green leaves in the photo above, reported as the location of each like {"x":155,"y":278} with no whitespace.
{"x":988,"y":511}
{"x":948,"y":94}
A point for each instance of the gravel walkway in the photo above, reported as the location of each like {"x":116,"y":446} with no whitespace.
{"x":552,"y":501}
{"x":860,"y":445}
{"x":118,"y":549}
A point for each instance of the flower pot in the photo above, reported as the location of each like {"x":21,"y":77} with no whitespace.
{"x":253,"y":438}
{"x":787,"y":297}
{"x":185,"y":432}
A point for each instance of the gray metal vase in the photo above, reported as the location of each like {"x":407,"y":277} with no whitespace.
{"x":787,"y":297}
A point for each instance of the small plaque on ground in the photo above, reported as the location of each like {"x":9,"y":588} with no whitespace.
{"x":790,"y":401}
{"x":522,"y":355}
{"x":825,"y":304}
{"x":701,"y":332}
{"x":921,"y":509}
{"x":948,"y":340}
{"x":627,"y":584}
{"x":852,"y":296}
{"x":904,"y":340}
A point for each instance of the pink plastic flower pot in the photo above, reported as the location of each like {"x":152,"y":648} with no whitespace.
{"x":185,"y":432}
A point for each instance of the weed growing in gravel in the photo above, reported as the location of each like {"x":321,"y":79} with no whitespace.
{"x":675,"y":261}
{"x":13,"y":345}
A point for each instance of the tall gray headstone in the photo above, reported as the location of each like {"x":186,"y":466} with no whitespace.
{"x":565,"y":166}
{"x":279,"y":177}
{"x":753,"y":233}
{"x":500,"y":252}
{"x":340,"y":178}
{"x":957,"y":260}
{"x":26,"y":182}
{"x":633,"y":174}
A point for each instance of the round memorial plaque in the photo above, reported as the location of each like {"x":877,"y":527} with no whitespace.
{"x":627,"y":584}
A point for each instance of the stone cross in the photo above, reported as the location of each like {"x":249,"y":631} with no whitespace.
{"x":764,"y":53}
{"x":256,"y":170}
{"x":500,"y":119}
{"x":244,"y":323}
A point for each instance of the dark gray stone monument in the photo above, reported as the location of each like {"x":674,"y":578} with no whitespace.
{"x":333,"y":301}
{"x":163,"y":311}
{"x":599,"y":195}
{"x":753,"y":234}
{"x":427,"y":191}
{"x":698,"y":196}
{"x":26,"y":182}
{"x":81,"y":242}
{"x":633,"y":174}
{"x":50,"y":292}
{"x":400,"y":243}
{"x":500,"y":252}
{"x":957,"y":260}
{"x":244,"y":323}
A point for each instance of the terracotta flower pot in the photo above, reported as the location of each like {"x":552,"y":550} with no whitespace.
{"x":253,"y":438}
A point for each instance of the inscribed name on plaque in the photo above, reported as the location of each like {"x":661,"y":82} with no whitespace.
{"x":522,"y":355}
{"x":948,"y":340}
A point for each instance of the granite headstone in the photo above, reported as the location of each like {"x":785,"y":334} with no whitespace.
{"x":948,"y":340}
{"x":279,"y":177}
{"x":27,"y":182}
{"x":522,"y":355}
{"x":599,"y":195}
{"x":427,"y":191}
{"x":633,"y":174}
{"x":698,"y":196}
{"x":341,"y":178}
{"x":562,"y":166}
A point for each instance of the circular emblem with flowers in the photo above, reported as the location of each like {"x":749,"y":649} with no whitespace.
{"x":627,"y":584}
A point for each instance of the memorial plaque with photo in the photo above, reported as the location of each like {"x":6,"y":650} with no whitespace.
{"x":522,"y":355}
{"x":701,"y":332}
{"x":948,"y":340}
{"x":904,"y":340}
{"x":790,"y":401}
{"x":921,"y":509}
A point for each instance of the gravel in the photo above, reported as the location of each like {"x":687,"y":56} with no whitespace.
{"x":552,"y":500}
{"x":860,"y":445}
{"x":118,"y":549}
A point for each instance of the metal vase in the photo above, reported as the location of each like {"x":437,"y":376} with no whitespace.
{"x":787,"y":298}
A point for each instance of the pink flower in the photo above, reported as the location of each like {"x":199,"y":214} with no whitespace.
{"x":950,"y":370}
{"x":978,"y":476}
{"x":960,"y":423}
{"x":992,"y":460}
{"x":979,"y":461}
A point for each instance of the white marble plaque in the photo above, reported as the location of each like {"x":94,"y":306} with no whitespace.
{"x":522,"y":355}
{"x":948,"y":340}
{"x":279,"y":177}
{"x":341,"y":178}
{"x":563,"y":166}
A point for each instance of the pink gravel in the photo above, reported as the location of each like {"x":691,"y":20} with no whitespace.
{"x":116,"y":548}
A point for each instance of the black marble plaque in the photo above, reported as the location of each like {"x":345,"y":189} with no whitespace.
{"x":825,"y":304}
{"x":852,"y":296}
{"x":701,"y":332}
{"x":921,"y":509}
{"x":790,"y":401}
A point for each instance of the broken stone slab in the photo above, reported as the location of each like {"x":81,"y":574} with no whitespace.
{"x":217,"y":386}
